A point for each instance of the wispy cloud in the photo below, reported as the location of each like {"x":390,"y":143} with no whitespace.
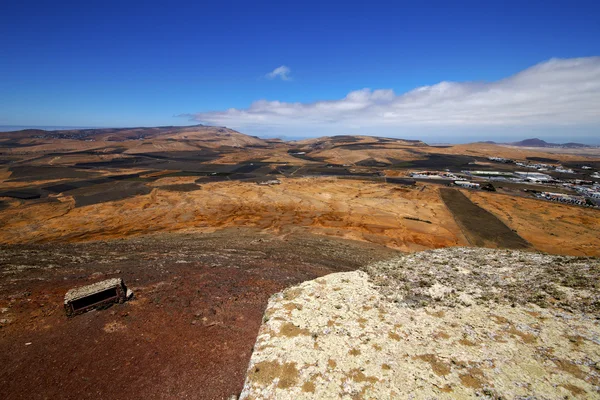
{"x":563,"y":92}
{"x":282,"y":73}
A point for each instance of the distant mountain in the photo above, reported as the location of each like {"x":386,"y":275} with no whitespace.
{"x":574,"y":145}
{"x":531,"y":143}
{"x":192,"y":132}
{"x":131,"y":140}
{"x":352,"y":141}
{"x":535,"y":142}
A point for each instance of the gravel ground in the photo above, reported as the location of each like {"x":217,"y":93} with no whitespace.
{"x":452,"y":276}
{"x":188,"y":332}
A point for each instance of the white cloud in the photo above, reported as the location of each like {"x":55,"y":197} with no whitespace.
{"x":563,"y":92}
{"x":282,"y":73}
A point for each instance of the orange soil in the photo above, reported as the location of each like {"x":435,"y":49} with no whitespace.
{"x":408,"y":219}
{"x":550,"y":227}
{"x":352,"y":209}
{"x":340,"y":155}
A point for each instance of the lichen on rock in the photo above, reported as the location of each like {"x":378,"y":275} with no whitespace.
{"x":349,"y":337}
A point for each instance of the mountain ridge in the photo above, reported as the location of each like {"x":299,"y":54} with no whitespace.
{"x":536,"y":142}
{"x":164,"y":131}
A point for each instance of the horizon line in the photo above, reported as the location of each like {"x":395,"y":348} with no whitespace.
{"x":54,"y":128}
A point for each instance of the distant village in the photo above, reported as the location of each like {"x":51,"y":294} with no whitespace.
{"x":582,"y":189}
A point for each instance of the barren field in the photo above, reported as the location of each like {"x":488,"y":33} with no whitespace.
{"x":481,"y":227}
{"x":405,"y":218}
{"x":189,"y":331}
{"x":552,"y":228}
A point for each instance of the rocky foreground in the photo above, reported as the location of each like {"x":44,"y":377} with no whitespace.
{"x":451,"y":323}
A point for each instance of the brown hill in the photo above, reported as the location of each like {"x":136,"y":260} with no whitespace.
{"x":129,"y":140}
{"x":366,"y":151}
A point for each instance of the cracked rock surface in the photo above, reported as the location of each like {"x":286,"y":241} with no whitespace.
{"x":382,"y":334}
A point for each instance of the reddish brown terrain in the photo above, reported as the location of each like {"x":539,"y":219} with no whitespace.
{"x":205,"y":224}
{"x":189,"y":331}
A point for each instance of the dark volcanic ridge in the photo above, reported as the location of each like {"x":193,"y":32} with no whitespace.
{"x":535,"y":142}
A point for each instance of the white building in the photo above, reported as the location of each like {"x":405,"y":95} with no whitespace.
{"x":488,"y":173}
{"x":564,"y":170}
{"x":499,"y":159}
{"x":533,"y":176}
{"x":466,"y":184}
{"x":434,"y":175}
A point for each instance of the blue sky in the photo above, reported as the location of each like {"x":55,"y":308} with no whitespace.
{"x":104,"y":63}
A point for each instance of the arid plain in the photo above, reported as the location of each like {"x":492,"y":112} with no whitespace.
{"x":205,"y":224}
{"x":105,"y":185}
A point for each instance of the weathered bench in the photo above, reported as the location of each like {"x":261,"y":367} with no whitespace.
{"x":99,"y":294}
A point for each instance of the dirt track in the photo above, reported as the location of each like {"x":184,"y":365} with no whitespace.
{"x":482,"y":228}
{"x":189,"y":332}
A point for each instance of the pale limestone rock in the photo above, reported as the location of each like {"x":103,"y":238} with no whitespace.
{"x":338,"y":337}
